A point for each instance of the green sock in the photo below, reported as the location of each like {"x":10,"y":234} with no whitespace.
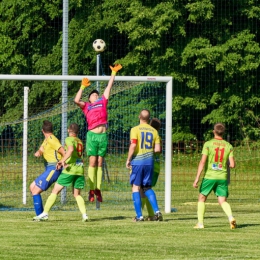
{"x":201,"y":212}
{"x":91,"y":177}
{"x":149,"y":208}
{"x":99,"y":178}
{"x":143,"y":202}
{"x":227,"y":209}
{"x":49,"y":203}
{"x":81,"y":204}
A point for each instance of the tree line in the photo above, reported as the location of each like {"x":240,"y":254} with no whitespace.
{"x":209,"y":47}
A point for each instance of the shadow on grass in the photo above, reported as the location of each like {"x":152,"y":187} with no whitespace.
{"x":246,"y":225}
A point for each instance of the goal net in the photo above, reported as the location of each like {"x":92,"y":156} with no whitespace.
{"x":129,"y":95}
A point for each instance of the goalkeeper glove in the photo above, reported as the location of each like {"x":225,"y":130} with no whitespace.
{"x":84,"y":83}
{"x":116,"y":68}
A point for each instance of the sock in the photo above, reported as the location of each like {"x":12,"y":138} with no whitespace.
{"x":81,"y":205}
{"x":201,"y":212}
{"x":137,"y":203}
{"x":37,"y":203}
{"x":99,"y":178}
{"x":91,"y":177}
{"x":227,"y":209}
{"x":49,"y":203}
{"x":149,"y":208}
{"x":152,"y":199}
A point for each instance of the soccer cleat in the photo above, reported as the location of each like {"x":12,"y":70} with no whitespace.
{"x":198,"y":226}
{"x":233,"y":224}
{"x":85,"y":219}
{"x":98,"y":194}
{"x":158,"y":216}
{"x":41,"y":217}
{"x":91,"y":195}
{"x":150,"y":218}
{"x":136,"y":219}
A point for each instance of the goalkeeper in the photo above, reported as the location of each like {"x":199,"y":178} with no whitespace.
{"x":96,"y":145}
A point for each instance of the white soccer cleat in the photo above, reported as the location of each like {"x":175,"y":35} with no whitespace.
{"x":85,"y":219}
{"x":198,"y":226}
{"x":42,"y":217}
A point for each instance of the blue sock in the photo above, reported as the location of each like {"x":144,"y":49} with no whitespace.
{"x":150,"y":194}
{"x":37,"y":203}
{"x":137,"y":203}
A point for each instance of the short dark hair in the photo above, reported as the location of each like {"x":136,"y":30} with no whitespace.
{"x":47,"y":126}
{"x":74,"y":128}
{"x":93,"y":91}
{"x":219,"y":129}
{"x":155,"y":123}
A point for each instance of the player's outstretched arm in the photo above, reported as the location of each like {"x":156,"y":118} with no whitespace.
{"x":62,"y":151}
{"x":69,"y":152}
{"x":84,"y":84}
{"x":114,"y":70}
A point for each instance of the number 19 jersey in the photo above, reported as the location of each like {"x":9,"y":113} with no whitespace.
{"x":146,"y":137}
{"x":218,"y":151}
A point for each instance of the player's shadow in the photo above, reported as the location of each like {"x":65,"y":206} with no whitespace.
{"x":108,"y":218}
{"x":246,"y":225}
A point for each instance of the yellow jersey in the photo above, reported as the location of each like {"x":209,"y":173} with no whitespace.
{"x":50,"y":146}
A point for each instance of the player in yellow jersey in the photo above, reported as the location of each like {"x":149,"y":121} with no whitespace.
{"x":51,"y":150}
{"x":72,"y":174}
{"x":145,"y":142}
{"x":216,"y":155}
{"x":155,"y":123}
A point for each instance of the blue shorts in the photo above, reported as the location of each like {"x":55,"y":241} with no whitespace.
{"x":141,"y":175}
{"x":47,"y":178}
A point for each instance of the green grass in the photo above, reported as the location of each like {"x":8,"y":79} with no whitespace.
{"x":111,"y":234}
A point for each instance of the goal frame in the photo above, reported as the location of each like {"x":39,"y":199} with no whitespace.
{"x":168,"y":122}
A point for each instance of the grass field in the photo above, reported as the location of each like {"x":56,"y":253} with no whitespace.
{"x":111,"y":234}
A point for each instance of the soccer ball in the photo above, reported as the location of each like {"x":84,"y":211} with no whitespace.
{"x":99,"y":45}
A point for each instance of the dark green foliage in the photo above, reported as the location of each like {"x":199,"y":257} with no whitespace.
{"x":210,"y":48}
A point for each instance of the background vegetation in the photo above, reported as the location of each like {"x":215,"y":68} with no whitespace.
{"x":209,"y":47}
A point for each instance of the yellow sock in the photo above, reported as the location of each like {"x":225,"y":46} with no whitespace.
{"x":201,"y":212}
{"x":149,"y":208}
{"x":49,"y":203}
{"x":81,"y":204}
{"x":91,"y":177}
{"x":99,"y":178}
{"x":227,"y":209}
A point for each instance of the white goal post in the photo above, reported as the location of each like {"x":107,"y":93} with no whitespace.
{"x":168,"y":123}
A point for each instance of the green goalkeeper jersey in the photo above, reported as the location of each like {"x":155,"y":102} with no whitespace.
{"x":218,"y":151}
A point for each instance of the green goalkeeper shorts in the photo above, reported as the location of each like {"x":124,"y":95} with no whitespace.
{"x":96,"y":144}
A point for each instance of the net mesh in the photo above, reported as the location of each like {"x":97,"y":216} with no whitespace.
{"x":126,"y":101}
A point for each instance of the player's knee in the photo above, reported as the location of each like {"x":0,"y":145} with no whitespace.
{"x":146,"y":188}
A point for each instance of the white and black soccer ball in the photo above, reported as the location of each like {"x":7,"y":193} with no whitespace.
{"x":99,"y":45}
